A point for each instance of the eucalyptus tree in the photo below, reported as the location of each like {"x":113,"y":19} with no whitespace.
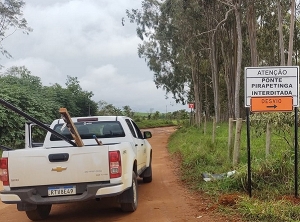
{"x":11,"y":20}
{"x":280,"y":32}
{"x":273,"y":21}
{"x":291,"y":34}
{"x":191,"y":49}
{"x":268,"y":33}
{"x":171,"y":47}
{"x":236,"y":6}
{"x":238,"y":15}
{"x":161,"y":45}
{"x":252,"y":25}
{"x":195,"y":48}
{"x":297,"y":26}
{"x":227,"y":39}
{"x":286,"y":8}
{"x":215,"y":22}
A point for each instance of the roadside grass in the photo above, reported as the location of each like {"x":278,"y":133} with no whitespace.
{"x":143,"y":124}
{"x":273,"y":184}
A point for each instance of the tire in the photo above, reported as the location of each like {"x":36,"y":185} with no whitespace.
{"x":41,"y":212}
{"x":130,"y":196}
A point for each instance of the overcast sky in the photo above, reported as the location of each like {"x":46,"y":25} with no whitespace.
{"x":86,"y":39}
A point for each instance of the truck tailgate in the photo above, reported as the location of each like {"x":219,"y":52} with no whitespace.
{"x":40,"y":166}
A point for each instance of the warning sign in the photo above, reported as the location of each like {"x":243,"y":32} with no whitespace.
{"x":277,"y":81}
{"x":272,"y":104}
{"x":191,"y":105}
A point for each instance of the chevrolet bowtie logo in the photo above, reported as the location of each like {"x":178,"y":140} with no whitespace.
{"x":59,"y":169}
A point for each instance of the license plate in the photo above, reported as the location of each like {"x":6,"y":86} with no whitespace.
{"x":61,"y":190}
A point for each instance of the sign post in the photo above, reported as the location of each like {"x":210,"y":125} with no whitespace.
{"x":296,"y":152}
{"x":191,"y":106}
{"x":272,"y":89}
{"x":249,"y":152}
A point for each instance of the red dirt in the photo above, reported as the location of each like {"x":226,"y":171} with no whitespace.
{"x":292,"y":199}
{"x":165,"y":199}
{"x":228,"y":199}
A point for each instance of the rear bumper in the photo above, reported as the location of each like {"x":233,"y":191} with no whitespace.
{"x":31,"y":195}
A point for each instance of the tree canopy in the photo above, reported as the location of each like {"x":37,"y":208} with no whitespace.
{"x":11,"y":20}
{"x":26,"y":92}
{"x":196,"y":49}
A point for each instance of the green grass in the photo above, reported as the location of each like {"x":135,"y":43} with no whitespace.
{"x":270,"y":210}
{"x":143,"y":124}
{"x":272,"y":177}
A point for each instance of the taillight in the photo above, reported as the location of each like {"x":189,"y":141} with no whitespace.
{"x":4,"y":171}
{"x":115,"y":167}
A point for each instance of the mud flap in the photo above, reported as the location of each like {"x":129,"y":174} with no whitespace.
{"x":127,"y":195}
{"x":26,"y":206}
{"x":147,"y":172}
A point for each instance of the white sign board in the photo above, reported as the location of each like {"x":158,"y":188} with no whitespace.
{"x":272,"y":81}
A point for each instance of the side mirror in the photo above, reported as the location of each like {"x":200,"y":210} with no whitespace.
{"x":147,"y":134}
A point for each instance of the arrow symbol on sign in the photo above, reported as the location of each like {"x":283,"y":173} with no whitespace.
{"x":272,"y":106}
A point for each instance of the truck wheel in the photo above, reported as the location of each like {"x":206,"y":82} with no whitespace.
{"x":130,"y":196}
{"x":41,"y":212}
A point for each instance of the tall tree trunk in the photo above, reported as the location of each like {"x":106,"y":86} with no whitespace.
{"x":215,"y":78}
{"x":251,"y":21}
{"x":280,"y":32}
{"x":200,"y":85}
{"x":292,"y":25}
{"x":210,"y":10}
{"x":207,"y":113}
{"x":197,"y":92}
{"x":229,"y":79}
{"x":237,"y":10}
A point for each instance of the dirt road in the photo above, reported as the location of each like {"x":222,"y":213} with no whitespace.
{"x":165,"y":199}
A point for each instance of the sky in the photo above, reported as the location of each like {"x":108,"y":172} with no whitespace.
{"x":86,"y":39}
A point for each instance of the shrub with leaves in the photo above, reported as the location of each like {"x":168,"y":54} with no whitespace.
{"x":282,"y":123}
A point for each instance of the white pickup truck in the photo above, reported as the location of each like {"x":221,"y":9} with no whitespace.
{"x":114,"y":154}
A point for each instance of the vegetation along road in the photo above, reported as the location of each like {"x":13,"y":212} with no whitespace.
{"x":164,"y":199}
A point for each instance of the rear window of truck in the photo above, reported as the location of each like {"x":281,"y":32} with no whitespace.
{"x":87,"y":130}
